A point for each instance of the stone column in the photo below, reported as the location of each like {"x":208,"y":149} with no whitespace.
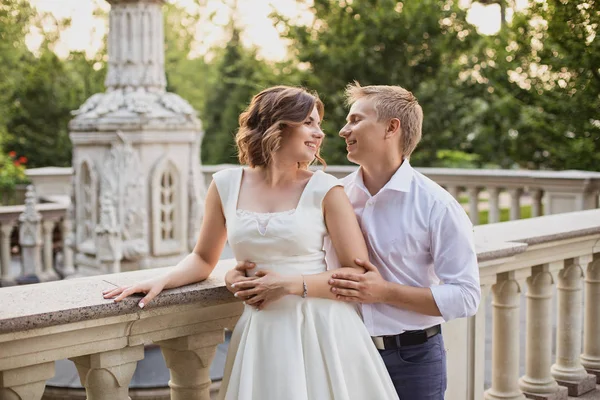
{"x":590,"y":358}
{"x":106,"y":376}
{"x":26,"y":383}
{"x":505,"y":339}
{"x":538,"y":383}
{"x":108,"y":236}
{"x":189,"y":359}
{"x":454,"y":191}
{"x":515,"y":203}
{"x":474,"y":204}
{"x":568,"y":370}
{"x":68,"y":242}
{"x":6,"y":278}
{"x":494,"y":206}
{"x":48,"y":273}
{"x":536,"y":202}
{"x":30,"y":239}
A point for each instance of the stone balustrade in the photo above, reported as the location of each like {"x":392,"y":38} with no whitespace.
{"x":547,"y":192}
{"x":560,"y":253}
{"x":35,"y":224}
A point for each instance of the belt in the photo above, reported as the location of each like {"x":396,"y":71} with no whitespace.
{"x":408,"y":338}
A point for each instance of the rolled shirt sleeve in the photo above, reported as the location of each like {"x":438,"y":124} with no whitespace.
{"x":455,"y":263}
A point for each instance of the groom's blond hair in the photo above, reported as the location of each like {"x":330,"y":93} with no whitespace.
{"x":393,"y":102}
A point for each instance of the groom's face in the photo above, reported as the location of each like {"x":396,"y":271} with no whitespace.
{"x":363,"y":133}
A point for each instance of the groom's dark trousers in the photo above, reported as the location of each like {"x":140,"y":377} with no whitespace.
{"x":417,"y":370}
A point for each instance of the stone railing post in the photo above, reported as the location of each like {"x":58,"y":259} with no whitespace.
{"x":6,"y":277}
{"x":68,"y":242}
{"x":515,"y":203}
{"x":505,"y":339}
{"x":536,"y":202}
{"x":106,"y":376}
{"x":454,"y":191}
{"x":25,"y":383}
{"x":538,"y":383}
{"x":568,"y":370}
{"x":494,"y":205}
{"x":189,"y":358}
{"x":48,"y":273}
{"x":30,"y":239}
{"x":474,"y":204}
{"x":590,"y":358}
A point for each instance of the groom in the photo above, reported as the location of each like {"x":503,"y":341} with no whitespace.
{"x":418,"y":236}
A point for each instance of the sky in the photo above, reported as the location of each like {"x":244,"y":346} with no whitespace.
{"x":86,"y":30}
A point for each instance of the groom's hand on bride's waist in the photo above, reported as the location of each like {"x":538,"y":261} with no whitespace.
{"x":368,"y":287}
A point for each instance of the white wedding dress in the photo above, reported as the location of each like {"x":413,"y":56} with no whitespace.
{"x":295,"y":348}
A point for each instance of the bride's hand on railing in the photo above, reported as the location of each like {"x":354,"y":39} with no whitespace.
{"x":267,"y":287}
{"x":151,"y":288}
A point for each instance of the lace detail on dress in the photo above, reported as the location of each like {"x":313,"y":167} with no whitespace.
{"x":263,"y":218}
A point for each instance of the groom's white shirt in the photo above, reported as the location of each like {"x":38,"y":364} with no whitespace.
{"x":418,"y":235}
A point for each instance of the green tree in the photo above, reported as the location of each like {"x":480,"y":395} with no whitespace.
{"x":241,"y":74}
{"x":415,"y":44}
{"x":545,"y":75}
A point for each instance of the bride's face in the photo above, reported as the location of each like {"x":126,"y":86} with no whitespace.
{"x":301,"y":143}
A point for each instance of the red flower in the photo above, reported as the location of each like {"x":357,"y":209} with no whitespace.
{"x":23,"y":160}
{"x":12,"y":154}
{"x":17,"y":163}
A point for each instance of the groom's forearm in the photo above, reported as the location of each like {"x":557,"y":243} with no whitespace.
{"x":317,"y":284}
{"x":417,"y":299}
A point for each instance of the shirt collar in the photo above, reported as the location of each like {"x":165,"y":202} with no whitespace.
{"x":400,"y":181}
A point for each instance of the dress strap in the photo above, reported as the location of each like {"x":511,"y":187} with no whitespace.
{"x":228,"y":185}
{"x":319,"y":185}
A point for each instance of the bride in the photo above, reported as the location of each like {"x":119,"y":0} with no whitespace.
{"x":299,"y":343}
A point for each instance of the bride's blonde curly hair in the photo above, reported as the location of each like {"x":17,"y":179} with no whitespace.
{"x":262,"y":124}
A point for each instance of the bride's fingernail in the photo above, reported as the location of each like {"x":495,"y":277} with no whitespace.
{"x":233,"y":285}
{"x":236,"y":295}
{"x":141,"y":305}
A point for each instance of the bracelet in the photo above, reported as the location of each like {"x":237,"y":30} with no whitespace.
{"x":304,"y":288}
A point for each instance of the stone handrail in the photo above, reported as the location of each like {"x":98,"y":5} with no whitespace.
{"x":69,"y":319}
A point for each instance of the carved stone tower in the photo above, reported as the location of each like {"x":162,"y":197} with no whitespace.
{"x":138,"y":192}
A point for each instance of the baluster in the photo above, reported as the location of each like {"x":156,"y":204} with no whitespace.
{"x":505,"y":339}
{"x":568,"y":370}
{"x":474,"y":204}
{"x":68,"y":236}
{"x":189,"y":359}
{"x":106,"y":376}
{"x":494,"y":205}
{"x":590,"y":358}
{"x":6,"y":276}
{"x":454,"y":191}
{"x":48,"y":273}
{"x":538,"y":383}
{"x":25,"y":383}
{"x":536,"y":202}
{"x":515,"y":203}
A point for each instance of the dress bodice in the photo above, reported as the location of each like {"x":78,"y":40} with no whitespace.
{"x":290,"y":239}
